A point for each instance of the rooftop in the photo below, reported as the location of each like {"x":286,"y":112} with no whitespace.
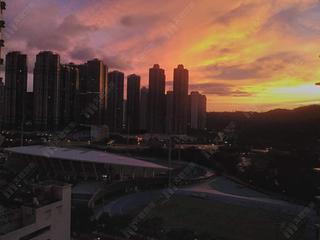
{"x":83,"y":155}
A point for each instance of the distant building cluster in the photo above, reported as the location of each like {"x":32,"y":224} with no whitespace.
{"x":89,"y":94}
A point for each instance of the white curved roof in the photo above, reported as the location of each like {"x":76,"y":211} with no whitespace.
{"x":83,"y":155}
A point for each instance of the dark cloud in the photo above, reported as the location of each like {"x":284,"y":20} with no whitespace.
{"x":139,"y":20}
{"x":295,"y":20}
{"x":218,"y":89}
{"x":117,"y":62}
{"x":83,"y":53}
{"x":86,"y":53}
{"x":61,"y":37}
{"x":72,"y":26}
{"x":41,"y":27}
{"x":240,"y":93}
{"x":238,"y":12}
{"x":263,"y":67}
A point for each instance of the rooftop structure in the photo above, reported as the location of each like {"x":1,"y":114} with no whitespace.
{"x":76,"y":164}
{"x":82,"y":155}
{"x":45,"y":213}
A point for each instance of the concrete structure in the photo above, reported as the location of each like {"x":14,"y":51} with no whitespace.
{"x":133,"y":103}
{"x":169,"y":112}
{"x":156,"y":100}
{"x":115,"y":101}
{"x":91,"y":98}
{"x":198,"y":111}
{"x":180,"y":99}
{"x":16,"y":72}
{"x":47,"y":215}
{"x":71,"y":163}
{"x":69,"y":80}
{"x":46,"y":88}
{"x":144,"y":109}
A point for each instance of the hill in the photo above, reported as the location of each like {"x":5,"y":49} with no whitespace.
{"x":299,"y":127}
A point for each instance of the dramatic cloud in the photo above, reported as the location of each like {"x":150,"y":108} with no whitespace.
{"x":261,"y":68}
{"x":244,"y":54}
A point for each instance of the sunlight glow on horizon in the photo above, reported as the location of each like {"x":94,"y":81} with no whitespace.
{"x":244,"y":55}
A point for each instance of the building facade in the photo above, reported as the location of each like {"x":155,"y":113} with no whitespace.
{"x":2,"y":26}
{"x":1,"y":103}
{"x":169,"y":112}
{"x":48,"y":216}
{"x":156,"y":100}
{"x":28,"y":120}
{"x":198,"y":111}
{"x":46,"y":88}
{"x":133,"y":103}
{"x":115,"y":101}
{"x":91,"y":96}
{"x":69,"y":81}
{"x":180,"y":99}
{"x":144,"y":92}
{"x":16,"y":74}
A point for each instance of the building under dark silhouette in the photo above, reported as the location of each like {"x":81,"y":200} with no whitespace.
{"x":91,"y":97}
{"x":16,"y":74}
{"x":180,"y":99}
{"x":46,"y":88}
{"x":28,"y":119}
{"x":1,"y":103}
{"x":124,"y":114}
{"x":115,"y":101}
{"x":69,"y":80}
{"x":144,"y":109}
{"x":156,"y":100}
{"x":198,"y":111}
{"x":133,"y":103}
{"x":2,"y":26}
{"x":169,"y":112}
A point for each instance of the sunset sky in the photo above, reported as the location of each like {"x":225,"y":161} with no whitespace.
{"x":244,"y":55}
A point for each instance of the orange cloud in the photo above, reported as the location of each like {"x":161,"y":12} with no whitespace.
{"x":244,"y":54}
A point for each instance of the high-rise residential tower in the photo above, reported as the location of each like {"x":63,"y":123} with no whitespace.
{"x":156,"y":100}
{"x":115,"y":101}
{"x":91,"y":97}
{"x":16,"y":74}
{"x":180,"y":99}
{"x":169,"y":112}
{"x":198,"y":111}
{"x":46,"y":88}
{"x":1,"y":102}
{"x":133,"y":103}
{"x":144,"y":109}
{"x":69,"y":81}
{"x":2,"y":26}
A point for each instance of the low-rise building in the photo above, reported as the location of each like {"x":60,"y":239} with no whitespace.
{"x":43,"y":214}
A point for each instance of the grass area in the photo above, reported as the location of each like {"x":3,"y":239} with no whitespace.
{"x":223,"y":221}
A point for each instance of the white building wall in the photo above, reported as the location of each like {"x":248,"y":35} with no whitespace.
{"x":56,"y":215}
